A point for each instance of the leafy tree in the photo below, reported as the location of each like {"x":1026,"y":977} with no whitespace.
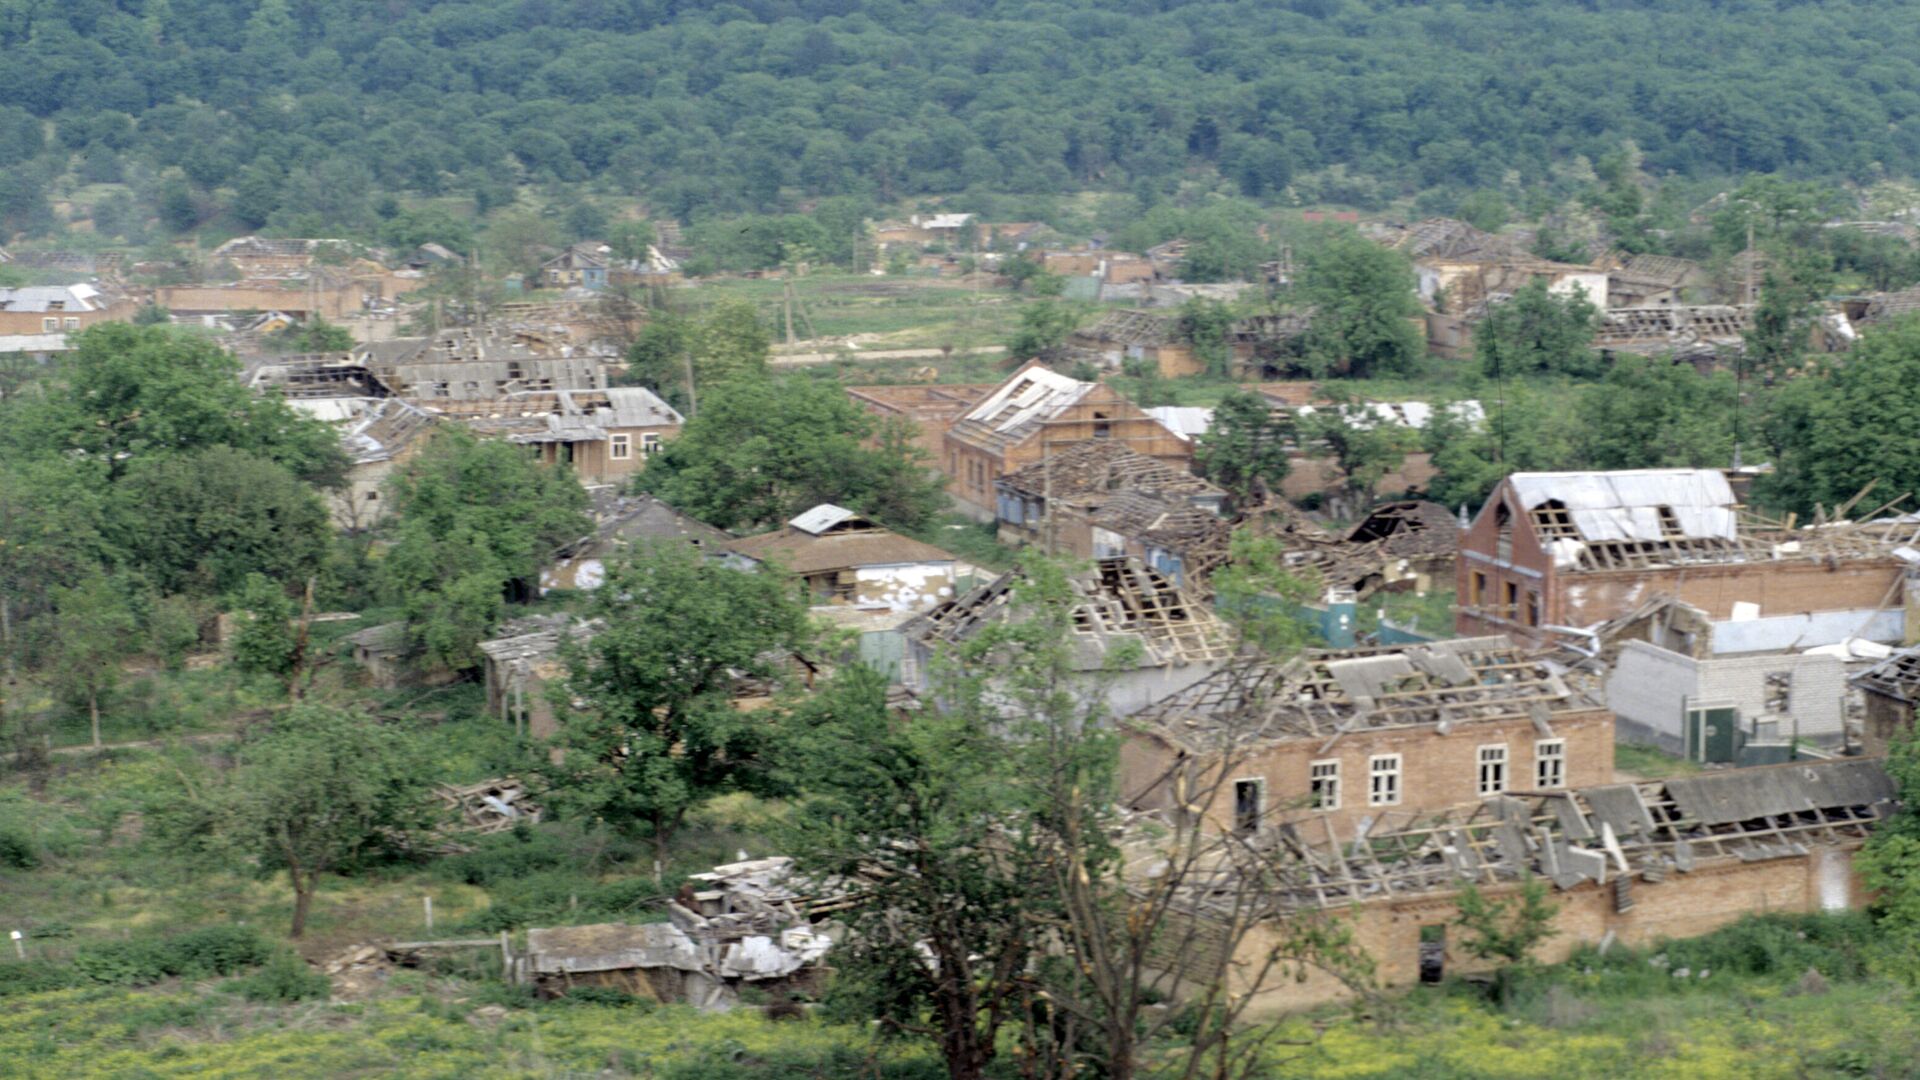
{"x":760,"y":451}
{"x":474,"y":522}
{"x":134,"y":392}
{"x":264,"y":640}
{"x":1650,"y":412}
{"x":648,"y":726}
{"x":1205,"y":324}
{"x":1361,"y":296}
{"x":1365,"y":447}
{"x":202,"y":522}
{"x":1527,"y":429}
{"x":1537,"y":332}
{"x":1889,"y":862}
{"x":1260,"y":595}
{"x":316,"y":335}
{"x":1246,"y":451}
{"x":321,"y":791}
{"x":1851,"y":424}
{"x":1507,"y":931}
{"x":93,"y":630}
{"x":1783,"y":316}
{"x":1045,"y":326}
{"x":726,"y":342}
{"x":631,"y":239}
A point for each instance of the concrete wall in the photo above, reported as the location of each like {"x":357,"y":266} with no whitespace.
{"x":1652,"y":688}
{"x":1683,"y":905}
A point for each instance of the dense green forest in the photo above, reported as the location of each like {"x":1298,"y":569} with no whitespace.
{"x":279,"y":109}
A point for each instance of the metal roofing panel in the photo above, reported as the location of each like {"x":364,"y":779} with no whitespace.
{"x":1619,"y":805}
{"x":1746,"y":794}
{"x":821,"y":518}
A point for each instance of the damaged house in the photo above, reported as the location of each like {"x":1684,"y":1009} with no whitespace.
{"x":1889,"y":690}
{"x":1633,"y":863}
{"x":1101,"y":499}
{"x":845,"y":558}
{"x":1573,"y":550}
{"x":622,"y":522}
{"x":1171,"y":638}
{"x":603,"y":436}
{"x":1034,"y":414}
{"x":1333,"y":739}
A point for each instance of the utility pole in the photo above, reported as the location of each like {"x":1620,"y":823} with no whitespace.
{"x":693,"y":403}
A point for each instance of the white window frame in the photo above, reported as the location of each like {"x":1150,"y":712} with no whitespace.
{"x":1383,"y":780}
{"x":72,"y":322}
{"x":1327,"y":773}
{"x":620,"y":447}
{"x":1259,"y":803}
{"x":1492,"y":761}
{"x":1550,"y":764}
{"x":649,"y":443}
{"x":50,"y":324}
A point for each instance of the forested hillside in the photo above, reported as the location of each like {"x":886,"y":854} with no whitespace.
{"x":271,"y":104}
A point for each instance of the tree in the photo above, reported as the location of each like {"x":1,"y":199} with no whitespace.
{"x":264,"y":640}
{"x":648,"y":726}
{"x":1527,"y":428}
{"x":316,"y":335}
{"x":1246,"y":451}
{"x":1361,"y":296}
{"x":1507,"y":931}
{"x":133,"y":392}
{"x":201,"y":522}
{"x":1205,"y":324}
{"x":1889,"y":862}
{"x":474,"y":521}
{"x":1045,"y":326}
{"x":760,"y":451}
{"x":1783,"y":318}
{"x":1537,"y":332}
{"x":1852,"y":424}
{"x":321,"y":791}
{"x":92,"y":632}
{"x":1363,"y":444}
{"x":683,"y":358}
{"x":1650,"y":412}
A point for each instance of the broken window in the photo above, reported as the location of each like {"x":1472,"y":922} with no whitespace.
{"x":1512,"y":605}
{"x":1248,"y":795}
{"x":1780,"y":691}
{"x":1669,"y":524}
{"x":1503,"y":521}
{"x":1101,"y":428}
{"x":1493,"y":770}
{"x":1479,"y":592}
{"x":1383,"y":780}
{"x":1550,"y":764}
{"x":1551,"y":522}
{"x":1323,"y":784}
{"x":1433,"y":953}
{"x":1533,"y":607}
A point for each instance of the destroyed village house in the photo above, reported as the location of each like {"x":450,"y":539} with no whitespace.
{"x":1655,"y":281}
{"x":1173,"y":639}
{"x":622,"y":522}
{"x":381,"y":435}
{"x":1036,"y":413}
{"x":1634,"y":863}
{"x":1572,"y":550}
{"x":1099,"y":499}
{"x":601,"y":435}
{"x":469,"y":365}
{"x":931,"y":408}
{"x":844,"y":558}
{"x":1697,"y":334}
{"x":1889,"y":689}
{"x":264,"y":257}
{"x":58,"y":309}
{"x":1333,"y":739}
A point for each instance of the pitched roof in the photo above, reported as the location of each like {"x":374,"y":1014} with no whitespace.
{"x":385,"y":429}
{"x":1327,"y":691}
{"x":64,"y":298}
{"x":830,"y":537}
{"x":1032,"y":396}
{"x":1101,"y":467}
{"x":1628,"y":504}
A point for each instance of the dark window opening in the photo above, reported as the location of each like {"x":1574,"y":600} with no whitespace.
{"x":1246,"y":806}
{"x":1433,"y":954}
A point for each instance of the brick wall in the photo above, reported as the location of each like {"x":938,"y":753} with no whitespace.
{"x":1681,"y":906}
{"x":1436,"y":771}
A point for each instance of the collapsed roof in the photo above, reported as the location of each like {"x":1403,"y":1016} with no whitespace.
{"x":1617,"y":832}
{"x":1324,"y":693}
{"x":1118,"y":600}
{"x":1022,"y":405}
{"x":1099,"y":467}
{"x":1673,"y":327}
{"x":828,"y":538}
{"x":1601,"y":520}
{"x":1897,"y":677}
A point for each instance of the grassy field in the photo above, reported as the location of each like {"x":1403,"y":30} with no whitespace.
{"x":1775,"y":998}
{"x":874,"y":313}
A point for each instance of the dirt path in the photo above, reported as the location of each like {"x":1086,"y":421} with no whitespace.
{"x":144,"y":744}
{"x":800,"y":359}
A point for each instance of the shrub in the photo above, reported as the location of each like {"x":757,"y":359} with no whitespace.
{"x":36,"y":977}
{"x":215,"y":950}
{"x":17,"y":850}
{"x":284,"y":978}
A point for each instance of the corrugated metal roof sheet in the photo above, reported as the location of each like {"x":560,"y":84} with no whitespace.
{"x":1746,"y":794}
{"x":1185,"y":421}
{"x":1626,"y":505}
{"x":821,"y":518}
